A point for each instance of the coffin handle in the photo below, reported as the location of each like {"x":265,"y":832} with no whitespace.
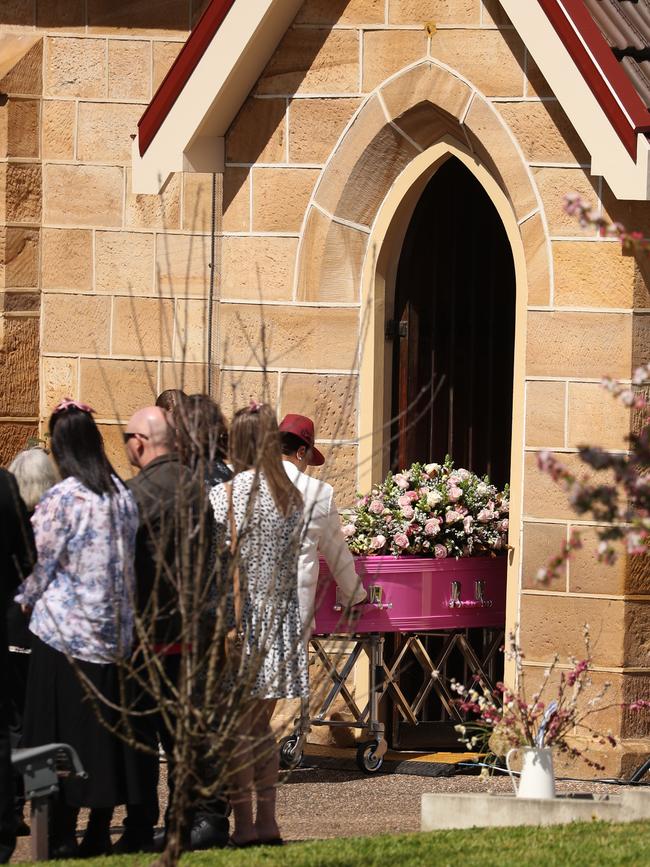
{"x":479,"y":593}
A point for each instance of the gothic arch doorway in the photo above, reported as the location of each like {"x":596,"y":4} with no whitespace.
{"x":453,"y":330}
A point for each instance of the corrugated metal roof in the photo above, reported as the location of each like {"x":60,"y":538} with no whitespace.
{"x":625,"y":24}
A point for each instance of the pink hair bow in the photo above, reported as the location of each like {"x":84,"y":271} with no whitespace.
{"x":68,"y":402}
{"x":254,"y":406}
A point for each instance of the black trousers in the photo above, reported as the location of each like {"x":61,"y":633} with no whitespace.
{"x":142,"y":818}
{"x":7,"y":812}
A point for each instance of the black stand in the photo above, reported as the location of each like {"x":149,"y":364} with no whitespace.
{"x":640,"y":772}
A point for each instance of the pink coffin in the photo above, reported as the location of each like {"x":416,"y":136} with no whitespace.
{"x":414,"y":594}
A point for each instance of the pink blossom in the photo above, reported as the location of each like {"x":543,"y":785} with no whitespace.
{"x":440,"y":552}
{"x":349,"y":530}
{"x":377,"y":542}
{"x":412,"y":495}
{"x":452,"y":517}
{"x":432,"y":527}
{"x":485,"y":516}
{"x":401,"y":540}
{"x":467,"y":523}
{"x":362,"y":501}
{"x":423,"y":492}
{"x":454,"y":493}
{"x":408,"y":512}
{"x":376,"y":507}
{"x":404,"y":500}
{"x":401,"y":481}
{"x":503,"y":525}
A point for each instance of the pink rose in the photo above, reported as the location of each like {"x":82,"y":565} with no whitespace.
{"x":404,"y":500}
{"x":412,"y":495}
{"x":432,"y":527}
{"x":452,"y":517}
{"x":401,"y":540}
{"x":349,"y":530}
{"x":423,"y":492}
{"x":376,"y":507}
{"x":401,"y":481}
{"x":454,"y":493}
{"x":503,"y":526}
{"x":377,"y":542}
{"x":440,"y":552}
{"x":362,"y":501}
{"x":485,"y":516}
{"x":408,"y":512}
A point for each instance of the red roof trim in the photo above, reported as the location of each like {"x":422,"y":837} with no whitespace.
{"x":603,"y":75}
{"x":181,"y":70}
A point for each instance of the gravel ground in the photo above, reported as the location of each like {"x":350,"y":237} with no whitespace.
{"x":316,"y":804}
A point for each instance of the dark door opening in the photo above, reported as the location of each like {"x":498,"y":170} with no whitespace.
{"x":453,"y":331}
{"x":453,"y":354}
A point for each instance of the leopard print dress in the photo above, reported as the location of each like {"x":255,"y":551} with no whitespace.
{"x":274,"y":662}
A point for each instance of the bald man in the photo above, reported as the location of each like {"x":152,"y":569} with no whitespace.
{"x":167,"y":495}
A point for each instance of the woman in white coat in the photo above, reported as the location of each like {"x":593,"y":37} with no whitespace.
{"x":322,"y":531}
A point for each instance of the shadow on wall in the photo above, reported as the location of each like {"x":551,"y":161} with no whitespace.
{"x":177,"y":15}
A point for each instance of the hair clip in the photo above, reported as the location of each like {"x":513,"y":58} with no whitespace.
{"x":254,"y":406}
{"x":69,"y":403}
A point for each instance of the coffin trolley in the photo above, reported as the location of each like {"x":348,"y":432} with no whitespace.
{"x":416,"y":597}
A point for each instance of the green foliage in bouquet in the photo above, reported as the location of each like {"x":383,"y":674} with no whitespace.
{"x":431,"y":510}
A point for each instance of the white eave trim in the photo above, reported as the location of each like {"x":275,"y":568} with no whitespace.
{"x":627,"y":178}
{"x":191,"y":136}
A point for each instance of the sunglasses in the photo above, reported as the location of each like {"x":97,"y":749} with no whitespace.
{"x":129,"y":435}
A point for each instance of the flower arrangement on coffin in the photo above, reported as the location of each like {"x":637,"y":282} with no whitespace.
{"x":430,"y":510}
{"x":557,"y":715}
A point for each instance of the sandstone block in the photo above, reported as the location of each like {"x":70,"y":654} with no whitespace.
{"x":164,"y":54}
{"x":153,"y":212}
{"x":60,"y":379}
{"x":257,"y":135}
{"x":535,"y":84}
{"x":21,"y":301}
{"x":238,"y":387}
{"x":59,"y":129}
{"x":129,"y":69}
{"x":143,"y":326}
{"x":543,"y":498}
{"x":545,"y":405}
{"x":579,"y":344}
{"x":97,"y":200}
{"x":191,"y":341}
{"x":115,"y":388}
{"x":553,"y":185}
{"x":75,"y":67}
{"x":19,"y":367}
{"x":548,"y":625}
{"x":541,"y":543}
{"x":640,"y":339}
{"x":595,"y":418}
{"x":123,"y":16}
{"x":492,"y":14}
{"x":364,"y":167}
{"x":76,"y":324}
{"x":20,"y":257}
{"x":104,"y":131}
{"x":182,"y":264}
{"x":633,"y":215}
{"x":330,"y":401}
{"x":591,"y":274}
{"x":340,"y":471}
{"x":293,"y":187}
{"x":313,"y":61}
{"x":439,"y":11}
{"x":124,"y":262}
{"x":67,"y":261}
{"x":588,"y":575}
{"x":492,"y":60}
{"x":116,"y":450}
{"x":544,"y":132}
{"x":23,"y":187}
{"x":315,"y":126}
{"x":197,"y":202}
{"x":533,"y":235}
{"x":426,"y":102}
{"x":257,"y":267}
{"x":331,"y":260}
{"x":387,"y":51}
{"x":68,"y":15}
{"x":14,"y":437}
{"x":294,"y":336}
{"x":23,"y":128}
{"x":494,"y":146}
{"x":236,"y":209}
{"x":22,"y":67}
{"x":190,"y":378}
{"x":341,"y":12}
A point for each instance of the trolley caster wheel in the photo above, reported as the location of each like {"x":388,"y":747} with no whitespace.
{"x":290,"y":755}
{"x":367,"y":758}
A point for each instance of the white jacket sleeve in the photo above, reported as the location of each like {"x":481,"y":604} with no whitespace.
{"x":334,"y":549}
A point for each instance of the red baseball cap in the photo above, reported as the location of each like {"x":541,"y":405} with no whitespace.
{"x":303,"y":428}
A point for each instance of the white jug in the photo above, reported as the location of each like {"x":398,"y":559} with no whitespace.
{"x":537,"y":779}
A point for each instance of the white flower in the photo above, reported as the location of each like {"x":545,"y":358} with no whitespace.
{"x":349,"y":530}
{"x":433,"y":498}
{"x":430,"y":469}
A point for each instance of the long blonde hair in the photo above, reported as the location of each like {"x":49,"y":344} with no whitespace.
{"x":255,"y":444}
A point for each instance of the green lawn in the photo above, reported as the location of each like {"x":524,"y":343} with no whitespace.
{"x":585,"y":844}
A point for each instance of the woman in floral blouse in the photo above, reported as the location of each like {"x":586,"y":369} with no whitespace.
{"x":80,"y":595}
